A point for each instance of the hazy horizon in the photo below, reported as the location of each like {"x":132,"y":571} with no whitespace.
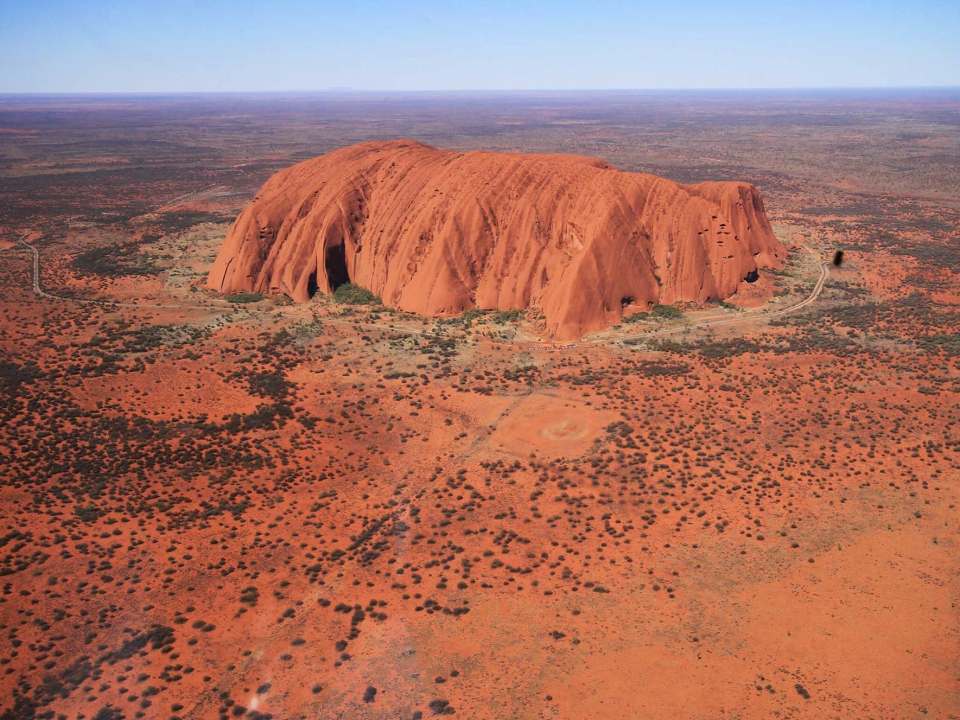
{"x":55,"y":47}
{"x":810,"y":91}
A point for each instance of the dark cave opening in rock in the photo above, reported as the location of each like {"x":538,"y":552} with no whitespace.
{"x":752,"y":276}
{"x":335,"y":263}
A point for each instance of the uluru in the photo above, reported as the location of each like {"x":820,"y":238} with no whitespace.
{"x":438,"y":232}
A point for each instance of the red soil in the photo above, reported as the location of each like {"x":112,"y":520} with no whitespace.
{"x":316,"y":510}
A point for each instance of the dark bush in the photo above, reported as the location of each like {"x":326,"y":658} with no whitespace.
{"x":350,"y":294}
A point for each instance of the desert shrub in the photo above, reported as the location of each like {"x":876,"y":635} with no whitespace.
{"x":13,"y":375}
{"x":270,"y":384}
{"x":108,"y":713}
{"x":777,"y":272}
{"x":152,"y":337}
{"x":619,"y":428}
{"x":506,"y":316}
{"x":653,"y":368}
{"x":350,"y":294}
{"x":468,"y":316}
{"x":244,"y":297}
{"x":728,"y":348}
{"x":666,"y":312}
{"x":942,"y":255}
{"x":116,"y":260}
{"x":948,"y":343}
{"x":157,"y":637}
{"x":265,"y":417}
{"x":183,"y":220}
{"x":87,"y":513}
{"x":441,"y":707}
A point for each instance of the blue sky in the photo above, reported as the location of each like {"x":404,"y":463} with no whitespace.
{"x":288,"y":45}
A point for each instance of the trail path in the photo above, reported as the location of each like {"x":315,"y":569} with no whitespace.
{"x":711,"y":321}
{"x":749,"y":316}
{"x":40,"y":292}
{"x":741,"y":318}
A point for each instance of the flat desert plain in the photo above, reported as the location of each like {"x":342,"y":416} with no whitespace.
{"x":246,"y":507}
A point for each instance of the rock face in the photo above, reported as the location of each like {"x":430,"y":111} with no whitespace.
{"x":437,"y":232}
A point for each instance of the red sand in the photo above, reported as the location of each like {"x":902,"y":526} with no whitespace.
{"x":316,"y":510}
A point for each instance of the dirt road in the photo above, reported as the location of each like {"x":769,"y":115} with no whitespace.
{"x":660,"y":332}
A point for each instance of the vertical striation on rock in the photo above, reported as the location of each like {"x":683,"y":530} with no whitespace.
{"x":437,"y":232}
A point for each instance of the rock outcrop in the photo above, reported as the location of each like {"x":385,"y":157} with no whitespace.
{"x":437,"y":232}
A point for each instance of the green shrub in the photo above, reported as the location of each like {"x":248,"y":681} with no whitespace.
{"x":666,"y":312}
{"x":468,"y":316}
{"x":350,"y":294}
{"x":245,"y":297}
{"x":88,"y":513}
{"x":116,"y":260}
{"x":507,"y":316}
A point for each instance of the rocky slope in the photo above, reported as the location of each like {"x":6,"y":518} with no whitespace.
{"x":437,"y":232}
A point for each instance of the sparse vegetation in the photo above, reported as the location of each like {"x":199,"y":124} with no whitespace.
{"x":350,"y":294}
{"x":116,"y":260}
{"x":222,"y":513}
{"x":244,"y":297}
{"x":666,"y":312}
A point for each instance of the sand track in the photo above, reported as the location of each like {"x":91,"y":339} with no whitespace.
{"x":743,"y":318}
